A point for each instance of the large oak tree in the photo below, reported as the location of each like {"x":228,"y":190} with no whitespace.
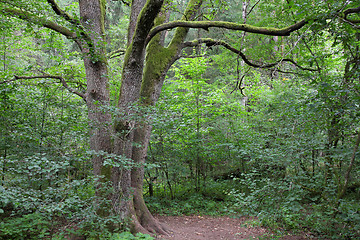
{"x":147,"y":60}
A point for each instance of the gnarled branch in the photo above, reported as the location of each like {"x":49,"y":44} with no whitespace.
{"x":212,"y":42}
{"x":349,"y":11}
{"x":228,"y":25}
{"x":29,"y":17}
{"x":352,"y":10}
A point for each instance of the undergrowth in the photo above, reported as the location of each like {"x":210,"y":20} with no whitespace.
{"x":280,"y":205}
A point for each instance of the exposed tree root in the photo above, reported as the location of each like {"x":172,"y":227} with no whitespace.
{"x":143,"y":220}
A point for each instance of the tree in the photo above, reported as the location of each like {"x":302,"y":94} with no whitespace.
{"x":147,"y":60}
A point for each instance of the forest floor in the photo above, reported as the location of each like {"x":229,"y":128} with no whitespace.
{"x":218,"y":228}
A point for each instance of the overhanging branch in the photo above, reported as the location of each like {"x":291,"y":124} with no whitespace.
{"x":61,"y":79}
{"x":352,"y":10}
{"x":228,"y":25}
{"x":29,"y":17}
{"x":211,"y":42}
{"x":349,"y":11}
{"x":76,"y":23}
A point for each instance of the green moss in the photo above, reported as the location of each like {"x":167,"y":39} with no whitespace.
{"x":181,"y":33}
{"x":156,"y":61}
{"x":103,"y":12}
{"x":127,"y":54}
{"x":158,"y":58}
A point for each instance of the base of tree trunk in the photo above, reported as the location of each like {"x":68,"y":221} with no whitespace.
{"x":143,"y":220}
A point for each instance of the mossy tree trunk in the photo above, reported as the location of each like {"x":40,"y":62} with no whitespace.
{"x":157,"y":62}
{"x":129,"y":97}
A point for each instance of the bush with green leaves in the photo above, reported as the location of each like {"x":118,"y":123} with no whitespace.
{"x":28,"y":226}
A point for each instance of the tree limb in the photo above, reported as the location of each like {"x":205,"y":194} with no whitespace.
{"x":252,"y":8}
{"x":211,"y":42}
{"x":29,"y":17}
{"x":116,"y":53}
{"x":62,"y":13}
{"x":345,"y":14}
{"x":8,"y":81}
{"x":352,"y":10}
{"x":61,"y":79}
{"x":143,"y":27}
{"x":127,"y":3}
{"x":76,"y":23}
{"x":228,"y":25}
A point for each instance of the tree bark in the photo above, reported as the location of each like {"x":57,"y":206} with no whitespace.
{"x":158,"y":61}
{"x":97,"y":95}
{"x":129,"y":96}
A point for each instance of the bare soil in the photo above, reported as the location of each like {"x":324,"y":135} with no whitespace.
{"x":217,"y":228}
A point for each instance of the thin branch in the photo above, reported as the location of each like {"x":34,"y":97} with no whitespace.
{"x":252,"y":8}
{"x":351,"y":22}
{"x":123,"y":1}
{"x":187,"y":56}
{"x":352,"y":161}
{"x":61,"y":79}
{"x":62,"y":13}
{"x":211,"y":42}
{"x":228,"y":25}
{"x":116,"y":53}
{"x":8,"y":81}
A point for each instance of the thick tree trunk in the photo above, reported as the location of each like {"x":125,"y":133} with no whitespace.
{"x":158,"y":61}
{"x":136,"y":6}
{"x":97,"y":96}
{"x":129,"y":96}
{"x":143,"y":219}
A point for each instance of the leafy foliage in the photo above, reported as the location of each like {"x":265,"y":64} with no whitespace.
{"x":279,"y":144}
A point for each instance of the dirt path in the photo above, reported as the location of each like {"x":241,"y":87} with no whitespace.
{"x":214,"y":228}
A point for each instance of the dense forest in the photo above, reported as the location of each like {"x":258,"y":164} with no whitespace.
{"x":112,"y":111}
